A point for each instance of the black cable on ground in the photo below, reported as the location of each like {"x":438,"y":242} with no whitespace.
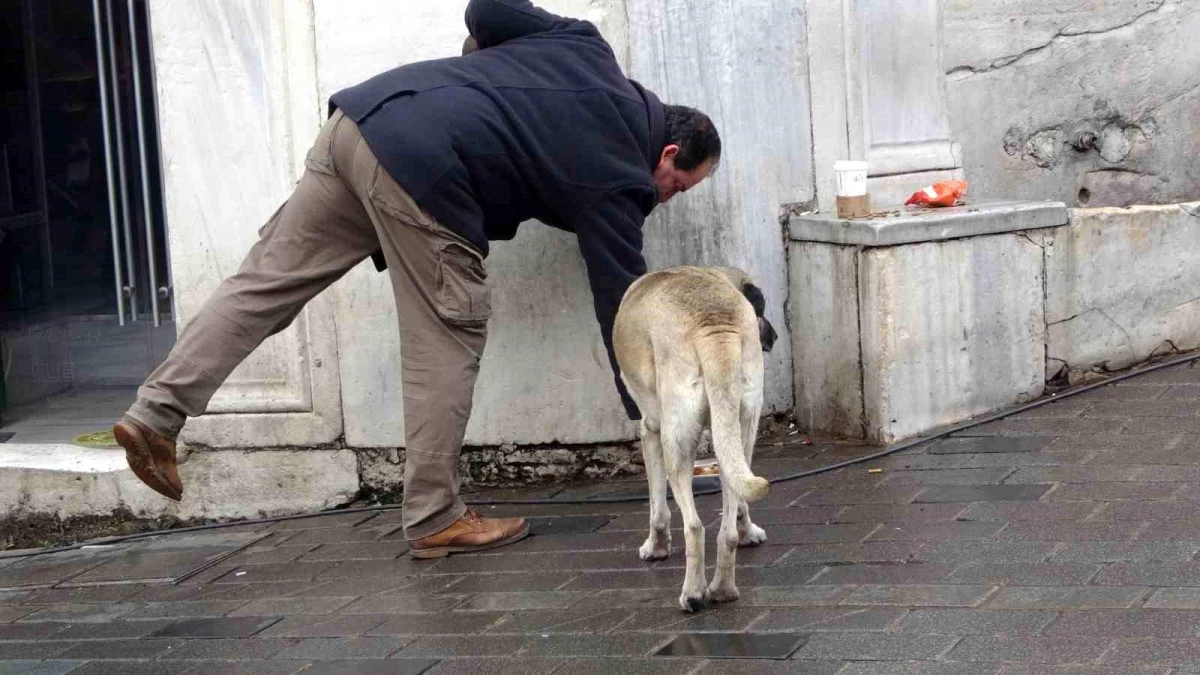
{"x":890,"y":450}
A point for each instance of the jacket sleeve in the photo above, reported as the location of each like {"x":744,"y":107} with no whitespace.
{"x":492,"y":22}
{"x":610,"y":239}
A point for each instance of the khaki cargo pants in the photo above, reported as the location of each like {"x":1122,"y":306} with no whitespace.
{"x":344,"y":208}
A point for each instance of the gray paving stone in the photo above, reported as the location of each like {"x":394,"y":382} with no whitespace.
{"x":1136,"y":574}
{"x":551,"y":562}
{"x":981,"y":493}
{"x":632,"y":598}
{"x":811,"y":534}
{"x":404,"y":604}
{"x":485,"y":583}
{"x":1074,"y":669}
{"x":293,"y":571}
{"x":989,"y":444}
{"x":9,"y":613}
{"x":901,"y":494}
{"x":1110,"y":531}
{"x":128,"y":667}
{"x":454,"y":646}
{"x":232,"y":649}
{"x":869,"y":552}
{"x":1066,"y":597}
{"x":118,"y":649}
{"x":1174,"y":598}
{"x":911,"y":573}
{"x":1040,"y":512}
{"x":1120,"y":551}
{"x":739,"y":667}
{"x":364,"y":586}
{"x":974,"y":622}
{"x":954,"y":531}
{"x":592,"y":620}
{"x":310,"y":625}
{"x":632,"y":666}
{"x":32,"y":651}
{"x":17,"y":667}
{"x":523,"y":600}
{"x":216,"y":628}
{"x":1171,"y":530}
{"x":720,"y":619}
{"x":1014,"y":461}
{"x":900,"y":513}
{"x":1107,"y":492}
{"x":984,"y":476}
{"x":90,"y":613}
{"x":462,"y":623}
{"x":245,"y":667}
{"x":111,"y":630}
{"x":197,"y":608}
{"x":1149,"y":510}
{"x":1165,"y":623}
{"x":907,"y":462}
{"x":920,"y":668}
{"x":874,"y":647}
{"x":186,"y":591}
{"x":29,"y":631}
{"x":593,"y":645}
{"x":1179,"y":391}
{"x":326,"y":649}
{"x":268,"y":556}
{"x":1024,"y":574}
{"x":1049,"y":650}
{"x":1099,"y":473}
{"x":399,"y":567}
{"x":1123,"y":392}
{"x":372,"y":667}
{"x":977,"y":551}
{"x":1049,"y":427}
{"x":786,"y":596}
{"x":333,"y":520}
{"x":87,"y":595}
{"x":828,"y":619}
{"x":374,"y":550}
{"x":919,"y":595}
{"x":1154,"y":651}
{"x":520,"y":665}
{"x":290,"y":606}
{"x":567,"y":524}
{"x":569,"y":543}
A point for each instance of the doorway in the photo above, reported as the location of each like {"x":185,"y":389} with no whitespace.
{"x":85,"y":283}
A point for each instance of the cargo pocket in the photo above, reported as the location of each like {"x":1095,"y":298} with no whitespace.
{"x":320,"y":155}
{"x":462,"y":291}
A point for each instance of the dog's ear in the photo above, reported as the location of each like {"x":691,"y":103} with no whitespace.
{"x":755,"y":295}
{"x":766,"y":334}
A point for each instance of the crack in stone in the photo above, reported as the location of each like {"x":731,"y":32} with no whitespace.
{"x":965,"y":71}
{"x":1194,"y":211}
{"x":1101,"y":312}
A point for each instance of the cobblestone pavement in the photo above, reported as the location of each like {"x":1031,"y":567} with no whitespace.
{"x":1061,"y":540}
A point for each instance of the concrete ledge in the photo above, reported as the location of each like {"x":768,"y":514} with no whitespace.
{"x":67,"y":480}
{"x":908,"y":226}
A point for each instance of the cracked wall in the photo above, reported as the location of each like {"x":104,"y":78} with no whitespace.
{"x":1083,"y":101}
{"x":1122,"y":285}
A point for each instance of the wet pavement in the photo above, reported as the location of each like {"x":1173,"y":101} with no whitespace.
{"x":1064,"y":539}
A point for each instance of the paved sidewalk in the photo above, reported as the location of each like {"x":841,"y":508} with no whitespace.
{"x":1062,"y":540}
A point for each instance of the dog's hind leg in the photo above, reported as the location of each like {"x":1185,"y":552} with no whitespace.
{"x":750,"y":534}
{"x":679,"y":434}
{"x":658,"y":543}
{"x":723,"y":587}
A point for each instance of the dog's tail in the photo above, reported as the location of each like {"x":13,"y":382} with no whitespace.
{"x":720,"y":358}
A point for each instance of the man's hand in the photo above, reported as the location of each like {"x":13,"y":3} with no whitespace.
{"x":469,"y":45}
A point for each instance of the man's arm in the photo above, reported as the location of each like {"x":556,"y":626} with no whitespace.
{"x":492,"y":22}
{"x":610,"y":239}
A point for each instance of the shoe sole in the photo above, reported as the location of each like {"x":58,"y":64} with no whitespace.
{"x":141,"y":460}
{"x":443,"y":551}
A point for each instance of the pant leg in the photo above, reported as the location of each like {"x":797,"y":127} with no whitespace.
{"x":440,"y":287}
{"x":315,"y":237}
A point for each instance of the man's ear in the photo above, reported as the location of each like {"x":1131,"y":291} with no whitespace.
{"x":470,"y":45}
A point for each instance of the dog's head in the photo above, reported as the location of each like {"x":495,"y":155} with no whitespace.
{"x":766,"y":332}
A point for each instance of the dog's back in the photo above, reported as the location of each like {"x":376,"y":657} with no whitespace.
{"x":687,"y":340}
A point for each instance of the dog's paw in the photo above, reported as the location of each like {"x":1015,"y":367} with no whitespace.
{"x":690,"y":603}
{"x":722,"y":593}
{"x":653,"y":549}
{"x":752,"y":537}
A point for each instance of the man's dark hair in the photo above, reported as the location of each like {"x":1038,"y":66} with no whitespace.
{"x":695,"y":134}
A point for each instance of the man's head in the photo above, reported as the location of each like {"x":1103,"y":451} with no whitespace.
{"x":693,"y":149}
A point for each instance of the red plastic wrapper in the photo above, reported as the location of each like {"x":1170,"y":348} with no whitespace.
{"x":941,"y":193}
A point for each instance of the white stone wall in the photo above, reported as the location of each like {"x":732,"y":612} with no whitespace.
{"x":1025,"y":78}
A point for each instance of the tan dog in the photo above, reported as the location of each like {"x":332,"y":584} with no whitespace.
{"x":689,"y":342}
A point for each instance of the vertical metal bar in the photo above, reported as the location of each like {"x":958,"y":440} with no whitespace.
{"x":130,"y":274}
{"x":168,"y":274}
{"x":141,"y":130}
{"x":39,"y":161}
{"x":114,"y":227}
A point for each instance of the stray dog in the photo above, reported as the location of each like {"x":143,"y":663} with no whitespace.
{"x":689,"y":342}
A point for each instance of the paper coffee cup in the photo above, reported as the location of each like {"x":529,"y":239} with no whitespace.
{"x":852,"y":198}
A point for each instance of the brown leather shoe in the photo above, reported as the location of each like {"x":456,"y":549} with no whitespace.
{"x":469,"y":534}
{"x":151,"y":456}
